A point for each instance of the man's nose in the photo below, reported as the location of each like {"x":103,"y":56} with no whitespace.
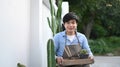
{"x":70,"y":24}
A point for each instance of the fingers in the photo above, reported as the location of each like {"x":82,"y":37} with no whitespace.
{"x":59,"y":60}
{"x":91,"y":57}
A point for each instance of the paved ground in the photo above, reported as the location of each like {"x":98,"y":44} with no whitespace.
{"x":106,"y":61}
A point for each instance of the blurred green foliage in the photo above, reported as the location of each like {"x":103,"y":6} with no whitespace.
{"x":105,"y":45}
{"x":99,"y":47}
{"x":98,"y":31}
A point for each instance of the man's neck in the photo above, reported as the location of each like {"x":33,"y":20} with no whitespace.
{"x":70,"y":33}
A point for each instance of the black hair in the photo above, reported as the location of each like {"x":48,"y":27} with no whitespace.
{"x":70,"y":16}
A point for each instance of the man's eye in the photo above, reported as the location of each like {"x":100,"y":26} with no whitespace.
{"x":73,"y":22}
{"x":68,"y":23}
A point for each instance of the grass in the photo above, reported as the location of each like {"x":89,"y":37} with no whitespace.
{"x":102,"y":46}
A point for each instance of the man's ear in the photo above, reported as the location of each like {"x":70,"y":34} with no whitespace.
{"x":63,"y":28}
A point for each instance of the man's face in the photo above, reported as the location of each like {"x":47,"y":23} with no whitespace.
{"x":70,"y":26}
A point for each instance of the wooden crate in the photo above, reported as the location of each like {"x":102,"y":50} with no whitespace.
{"x":68,"y":62}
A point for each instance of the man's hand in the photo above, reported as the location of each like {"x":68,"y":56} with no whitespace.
{"x":59,"y":60}
{"x":91,"y":57}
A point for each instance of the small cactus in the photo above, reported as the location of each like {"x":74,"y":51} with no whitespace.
{"x":83,"y":54}
{"x":20,"y":65}
{"x":83,"y":51}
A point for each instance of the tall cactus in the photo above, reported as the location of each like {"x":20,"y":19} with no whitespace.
{"x":51,"y":53}
{"x":55,"y":26}
{"x":55,"y":23}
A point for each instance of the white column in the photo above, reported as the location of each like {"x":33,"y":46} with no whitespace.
{"x":14,"y":32}
{"x":35,"y":48}
{"x":65,"y":8}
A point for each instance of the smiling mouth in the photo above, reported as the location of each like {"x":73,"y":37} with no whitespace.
{"x":71,"y":29}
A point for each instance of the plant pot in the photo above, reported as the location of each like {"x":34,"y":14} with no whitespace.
{"x":83,"y":56}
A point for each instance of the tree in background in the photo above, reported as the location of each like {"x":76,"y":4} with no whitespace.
{"x":109,"y":15}
{"x":98,"y":18}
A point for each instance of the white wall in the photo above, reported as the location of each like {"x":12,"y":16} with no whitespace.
{"x":65,"y":8}
{"x":24,"y":32}
{"x":34,"y":52}
{"x":46,"y":34}
{"x":14,"y":32}
{"x":40,"y":33}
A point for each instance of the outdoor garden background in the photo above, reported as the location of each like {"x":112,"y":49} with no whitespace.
{"x":99,"y":21}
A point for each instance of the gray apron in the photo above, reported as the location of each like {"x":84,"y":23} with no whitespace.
{"x":72,"y":52}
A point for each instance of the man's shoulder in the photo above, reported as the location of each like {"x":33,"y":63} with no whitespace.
{"x":80,"y":34}
{"x":60,"y":34}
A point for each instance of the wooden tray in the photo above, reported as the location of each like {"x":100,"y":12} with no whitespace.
{"x":68,"y":62}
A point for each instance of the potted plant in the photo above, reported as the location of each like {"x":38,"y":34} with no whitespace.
{"x":83,"y":54}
